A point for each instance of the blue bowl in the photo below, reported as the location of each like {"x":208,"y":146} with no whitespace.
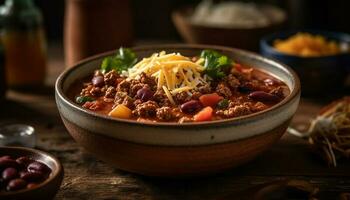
{"x":319,"y":76}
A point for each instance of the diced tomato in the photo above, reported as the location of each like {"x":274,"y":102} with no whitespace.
{"x":238,"y":67}
{"x":204,"y":115}
{"x":93,"y":105}
{"x":210,"y":99}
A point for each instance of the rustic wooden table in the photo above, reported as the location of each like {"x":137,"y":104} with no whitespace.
{"x":88,"y":178}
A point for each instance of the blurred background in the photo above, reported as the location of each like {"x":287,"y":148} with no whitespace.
{"x":152,"y":19}
{"x":76,"y":29}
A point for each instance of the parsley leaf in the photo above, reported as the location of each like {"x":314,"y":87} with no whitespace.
{"x":121,"y":61}
{"x":83,"y":99}
{"x":215,"y":63}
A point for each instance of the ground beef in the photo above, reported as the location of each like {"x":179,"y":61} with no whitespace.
{"x":134,"y":81}
{"x":253,"y":85}
{"x":104,"y":89}
{"x":181,"y":97}
{"x":232,"y":104}
{"x":223,"y":90}
{"x":160,"y":97}
{"x":119,"y":80}
{"x":128,"y":102}
{"x":93,"y":105}
{"x":96,"y":91}
{"x":236,"y":101}
{"x":119,"y":97}
{"x":148,"y":80}
{"x":240,"y":110}
{"x":110,"y":92}
{"x":235,"y":111}
{"x":177,"y":113}
{"x":124,"y":86}
{"x":86,"y":90}
{"x":110,"y":78}
{"x":239,"y":76}
{"x":147,"y":109}
{"x":165,"y":113}
{"x":204,"y":89}
{"x":196,"y":95}
{"x":232,"y":81}
{"x":165,"y":102}
{"x":279,"y":92}
{"x":185,"y":119}
{"x":108,"y":100}
{"x":259,"y":106}
{"x":137,"y":102}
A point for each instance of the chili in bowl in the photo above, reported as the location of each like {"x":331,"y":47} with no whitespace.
{"x":153,"y":110}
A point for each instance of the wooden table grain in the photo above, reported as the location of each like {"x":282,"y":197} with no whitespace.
{"x":88,"y":178}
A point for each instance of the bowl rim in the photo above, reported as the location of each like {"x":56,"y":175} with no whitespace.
{"x":266,"y":41}
{"x":183,"y":13}
{"x":62,"y":96}
{"x":54,"y":173}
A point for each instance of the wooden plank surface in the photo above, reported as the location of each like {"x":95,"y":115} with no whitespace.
{"x":88,"y":178}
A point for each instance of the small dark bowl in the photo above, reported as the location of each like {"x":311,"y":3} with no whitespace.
{"x":44,"y":190}
{"x":319,"y":76}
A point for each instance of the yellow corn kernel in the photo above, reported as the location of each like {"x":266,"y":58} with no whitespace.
{"x":120,"y":111}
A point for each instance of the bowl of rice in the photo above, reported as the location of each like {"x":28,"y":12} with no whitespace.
{"x":235,"y":24}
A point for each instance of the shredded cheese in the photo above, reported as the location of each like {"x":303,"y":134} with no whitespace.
{"x":167,"y":93}
{"x":173,"y":72}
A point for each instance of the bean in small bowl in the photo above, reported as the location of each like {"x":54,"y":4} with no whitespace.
{"x":28,"y":174}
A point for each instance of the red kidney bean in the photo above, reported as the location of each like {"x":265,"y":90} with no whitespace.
{"x":190,"y":106}
{"x":144,"y":94}
{"x":16,"y":184}
{"x":32,"y":176}
{"x":38,"y":166}
{"x":9,"y":173}
{"x":16,"y":174}
{"x":5,"y":157}
{"x":31,"y":185}
{"x":4,"y":163}
{"x":263,"y":96}
{"x":98,"y":81}
{"x":24,"y":161}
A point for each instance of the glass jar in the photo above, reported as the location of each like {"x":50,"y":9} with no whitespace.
{"x":24,"y":43}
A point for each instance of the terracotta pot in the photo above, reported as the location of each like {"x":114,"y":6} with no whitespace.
{"x":94,"y":26}
{"x":172,"y":149}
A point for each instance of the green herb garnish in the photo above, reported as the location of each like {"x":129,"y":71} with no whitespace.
{"x":121,"y":61}
{"x":223,"y":104}
{"x":83,"y":99}
{"x":215,"y":63}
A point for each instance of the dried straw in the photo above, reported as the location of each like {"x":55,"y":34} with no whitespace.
{"x":329,"y":133}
